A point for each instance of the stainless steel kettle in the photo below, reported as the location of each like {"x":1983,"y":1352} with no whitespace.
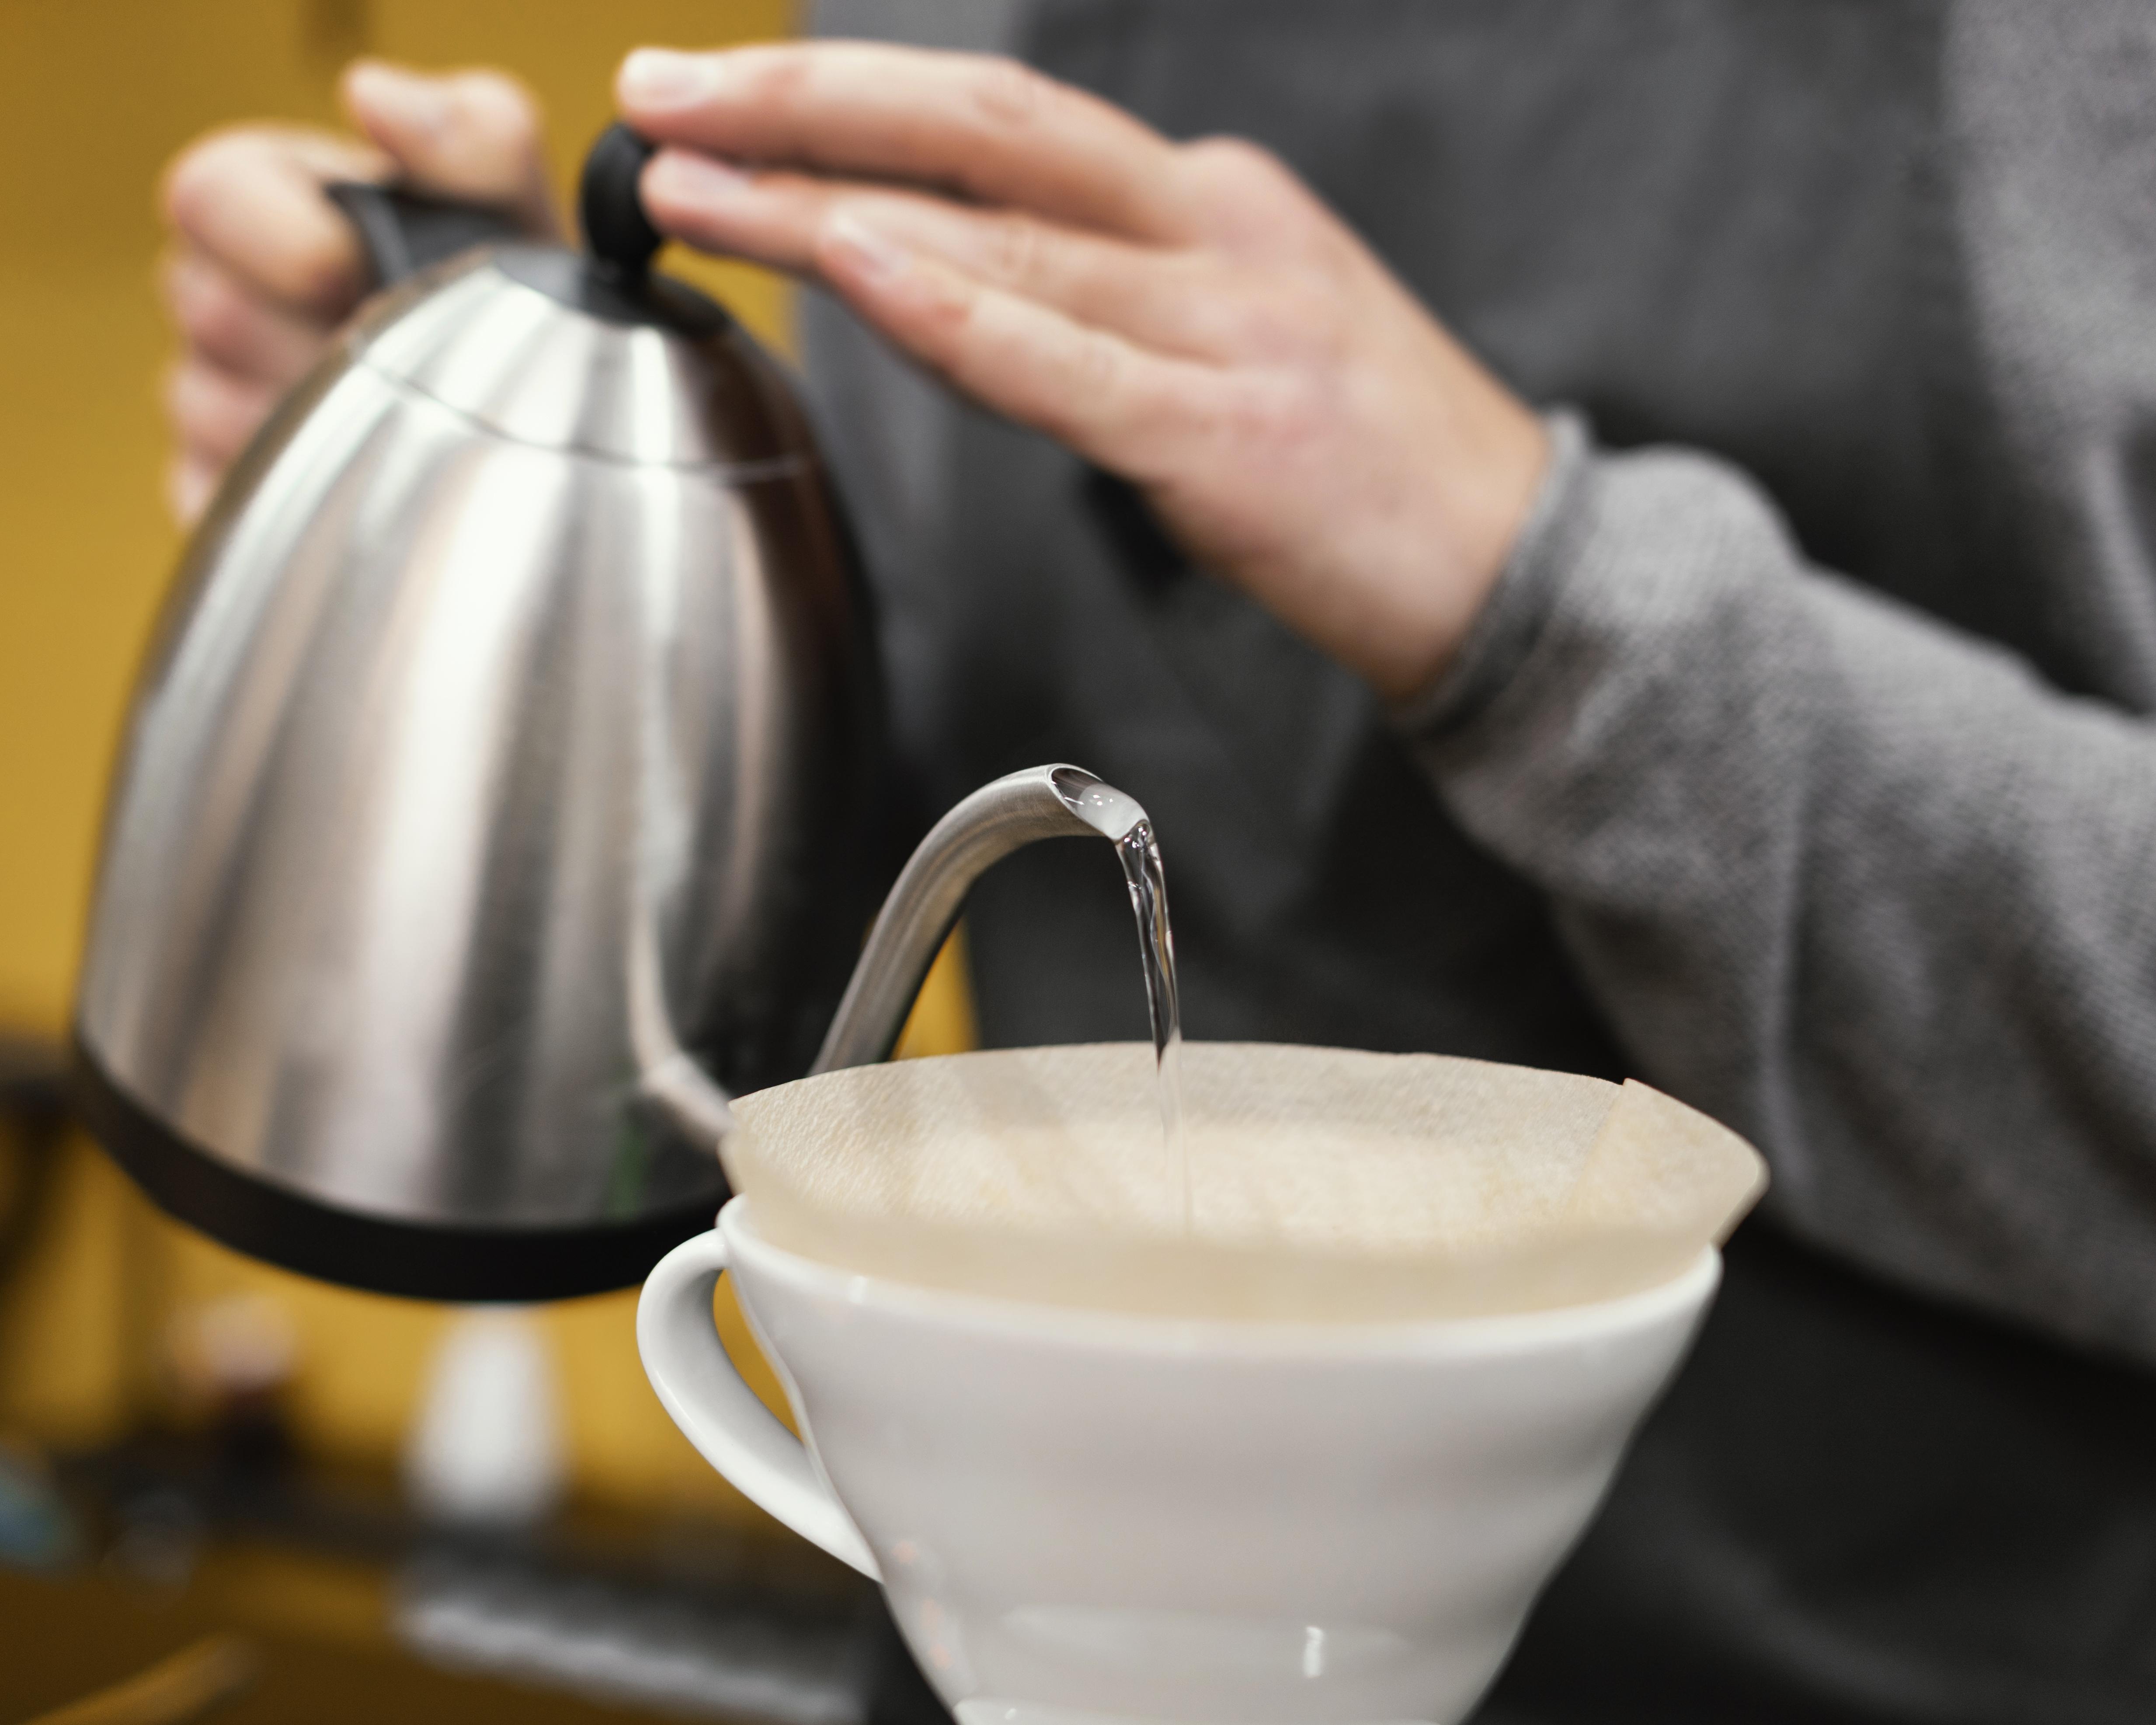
{"x":498,"y":769}
{"x":494,"y":799}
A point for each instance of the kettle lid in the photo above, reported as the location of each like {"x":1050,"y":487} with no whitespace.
{"x":589,"y":352}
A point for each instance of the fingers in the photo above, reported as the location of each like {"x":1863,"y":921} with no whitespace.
{"x":1190,"y":317}
{"x":214,"y":412}
{"x":235,"y":328}
{"x":476,"y":137}
{"x":251,"y":198}
{"x":1160,"y":297}
{"x":265,"y":265}
{"x":1106,"y":398}
{"x":263,"y":269}
{"x":1055,"y":329}
{"x":987,"y":126}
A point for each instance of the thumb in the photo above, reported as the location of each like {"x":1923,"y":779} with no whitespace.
{"x":476,"y":137}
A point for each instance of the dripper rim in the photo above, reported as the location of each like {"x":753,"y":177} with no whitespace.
{"x":1412,"y":1340}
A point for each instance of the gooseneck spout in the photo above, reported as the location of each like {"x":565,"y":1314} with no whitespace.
{"x":1001,"y":817}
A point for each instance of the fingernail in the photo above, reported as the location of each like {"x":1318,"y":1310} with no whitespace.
{"x":405,"y":99}
{"x":685,"y":176}
{"x":660,"y":77}
{"x":865,"y":250}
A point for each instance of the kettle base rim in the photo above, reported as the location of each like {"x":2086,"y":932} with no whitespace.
{"x":374,"y":1253}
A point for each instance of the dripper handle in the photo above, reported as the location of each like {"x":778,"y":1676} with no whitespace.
{"x":1056,"y":802}
{"x":705,"y":1395}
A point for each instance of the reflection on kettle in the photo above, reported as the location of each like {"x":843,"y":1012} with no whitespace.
{"x":494,"y":800}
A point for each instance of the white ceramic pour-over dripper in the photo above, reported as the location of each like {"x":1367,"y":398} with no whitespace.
{"x":1083,"y":1517}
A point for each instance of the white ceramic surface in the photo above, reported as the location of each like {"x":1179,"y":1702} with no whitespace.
{"x":1085,"y":1517}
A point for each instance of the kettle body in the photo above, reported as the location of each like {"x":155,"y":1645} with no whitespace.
{"x":507,"y":739}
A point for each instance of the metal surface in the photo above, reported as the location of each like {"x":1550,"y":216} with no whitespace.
{"x":493,"y":775}
{"x":1013,"y":811}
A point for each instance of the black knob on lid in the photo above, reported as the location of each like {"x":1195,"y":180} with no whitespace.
{"x":612,"y":278}
{"x":616,"y":232}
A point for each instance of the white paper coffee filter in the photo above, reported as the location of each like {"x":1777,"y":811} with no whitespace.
{"x":1326,"y":1184}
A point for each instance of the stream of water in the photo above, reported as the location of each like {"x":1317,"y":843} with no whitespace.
{"x":1118,"y":818}
{"x":1139,"y":853}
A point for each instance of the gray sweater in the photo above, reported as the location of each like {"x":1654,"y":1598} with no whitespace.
{"x":1870,"y":887}
{"x":1802,"y":764}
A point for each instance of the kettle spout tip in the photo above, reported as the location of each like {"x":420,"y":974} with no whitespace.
{"x":1108,"y":811}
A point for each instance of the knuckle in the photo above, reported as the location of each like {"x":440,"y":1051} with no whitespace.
{"x":1302,"y":314}
{"x":212,"y":197}
{"x":190,"y":404}
{"x":947,"y":322}
{"x":1017,"y":243}
{"x":319,"y":280}
{"x":1266,"y":417}
{"x":780,"y":76}
{"x":1235,"y":165}
{"x":1246,"y":197}
{"x":199,"y":176}
{"x":211,"y":315}
{"x":1009,"y":93}
{"x":1099,"y":372}
{"x":223,"y":416}
{"x":497,"y":108}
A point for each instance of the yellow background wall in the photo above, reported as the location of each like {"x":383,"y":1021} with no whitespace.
{"x":94,"y":96}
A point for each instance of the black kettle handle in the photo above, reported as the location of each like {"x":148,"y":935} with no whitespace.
{"x":402,"y":232}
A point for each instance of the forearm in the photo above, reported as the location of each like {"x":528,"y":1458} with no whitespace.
{"x":1858,"y":885}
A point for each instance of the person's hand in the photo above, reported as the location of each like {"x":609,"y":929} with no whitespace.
{"x":1187,"y":315}
{"x":262,"y":267}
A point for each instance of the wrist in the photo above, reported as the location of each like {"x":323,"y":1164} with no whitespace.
{"x":1484,"y":501}
{"x":1509,"y":619}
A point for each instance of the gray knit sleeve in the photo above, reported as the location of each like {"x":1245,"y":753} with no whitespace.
{"x":1859,"y":885}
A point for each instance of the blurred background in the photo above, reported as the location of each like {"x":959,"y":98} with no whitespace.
{"x":192,"y":1445}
